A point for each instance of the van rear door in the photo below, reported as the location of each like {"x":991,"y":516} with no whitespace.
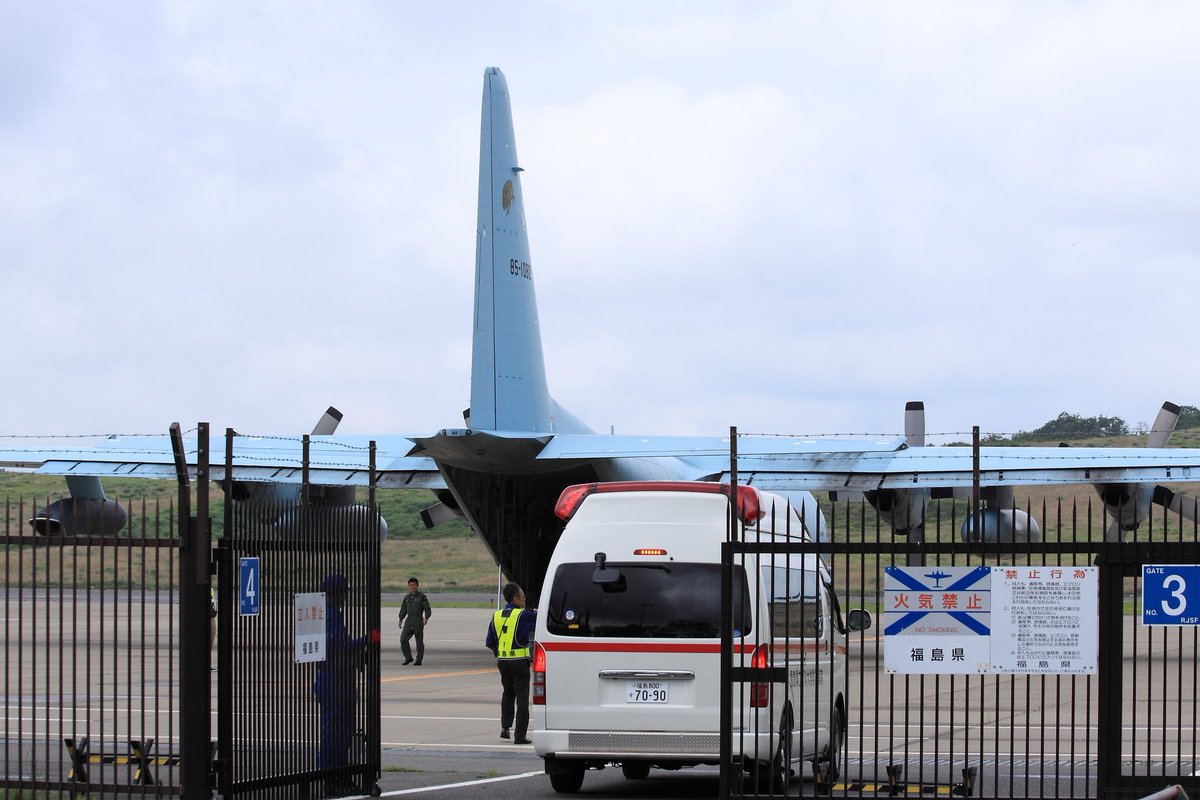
{"x":640,"y":652}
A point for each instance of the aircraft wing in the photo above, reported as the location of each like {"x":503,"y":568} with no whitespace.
{"x":800,"y":464}
{"x":770,"y":462}
{"x":333,"y":460}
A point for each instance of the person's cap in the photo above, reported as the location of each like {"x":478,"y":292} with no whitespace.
{"x":334,"y":582}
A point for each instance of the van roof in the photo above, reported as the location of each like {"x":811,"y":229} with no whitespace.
{"x":752,"y":505}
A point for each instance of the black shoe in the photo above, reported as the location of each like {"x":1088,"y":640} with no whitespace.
{"x":504,"y":733}
{"x":417,"y":663}
{"x":407,"y":661}
{"x":522,"y":740}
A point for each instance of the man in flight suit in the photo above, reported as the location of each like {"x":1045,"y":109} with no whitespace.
{"x":414,"y":615}
{"x":510,"y":638}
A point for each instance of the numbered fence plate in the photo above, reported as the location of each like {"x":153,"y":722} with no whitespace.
{"x":647,"y":692}
{"x":1171,"y":594}
{"x":249,"y":593}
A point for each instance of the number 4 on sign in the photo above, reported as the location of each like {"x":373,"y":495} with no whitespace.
{"x":248,"y":587}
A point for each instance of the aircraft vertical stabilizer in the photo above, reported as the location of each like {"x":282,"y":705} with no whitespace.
{"x":508,"y":374}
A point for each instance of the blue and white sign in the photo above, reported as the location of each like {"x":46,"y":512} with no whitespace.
{"x":1046,"y":619}
{"x":1171,"y":594}
{"x":249,"y":589}
{"x":936,"y":620}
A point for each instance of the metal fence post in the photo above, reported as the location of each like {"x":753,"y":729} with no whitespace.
{"x":195,"y":700}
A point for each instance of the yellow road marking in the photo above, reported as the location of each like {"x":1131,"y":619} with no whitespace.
{"x":415,"y":676}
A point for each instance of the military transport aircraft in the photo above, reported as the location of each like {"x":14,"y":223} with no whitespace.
{"x":504,"y":470}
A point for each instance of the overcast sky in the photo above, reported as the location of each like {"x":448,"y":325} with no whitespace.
{"x":789,"y":217}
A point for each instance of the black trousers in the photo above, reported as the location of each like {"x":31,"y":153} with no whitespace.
{"x":514,"y":701}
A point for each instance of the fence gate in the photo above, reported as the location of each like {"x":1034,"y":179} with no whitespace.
{"x":1059,"y":690}
{"x":297,"y":710}
{"x":90,"y":652}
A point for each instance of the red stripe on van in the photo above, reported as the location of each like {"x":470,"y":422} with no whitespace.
{"x":639,"y":647}
{"x":660,"y":647}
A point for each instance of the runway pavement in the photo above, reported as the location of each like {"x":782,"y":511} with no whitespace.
{"x":440,"y":721}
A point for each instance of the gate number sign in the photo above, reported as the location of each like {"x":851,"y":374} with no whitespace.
{"x":1171,"y":594}
{"x":249,"y":590}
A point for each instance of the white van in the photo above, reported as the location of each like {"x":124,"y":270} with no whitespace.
{"x":626,"y":664}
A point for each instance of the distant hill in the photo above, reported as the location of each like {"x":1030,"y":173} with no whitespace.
{"x":1101,"y":431}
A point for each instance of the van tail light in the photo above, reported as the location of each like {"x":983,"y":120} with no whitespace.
{"x":537,"y":683}
{"x":760,"y":691}
{"x":749,"y":505}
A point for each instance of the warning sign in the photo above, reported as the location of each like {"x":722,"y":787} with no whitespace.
{"x":1035,"y":619}
{"x":310,"y":626}
{"x":936,"y":619}
{"x":1047,"y":619}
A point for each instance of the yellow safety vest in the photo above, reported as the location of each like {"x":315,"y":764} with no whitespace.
{"x":505,"y":625}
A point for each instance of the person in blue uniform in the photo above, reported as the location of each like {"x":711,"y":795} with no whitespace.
{"x":336,"y":684}
{"x":510,"y":638}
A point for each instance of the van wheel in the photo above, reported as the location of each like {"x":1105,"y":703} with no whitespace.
{"x":567,"y":782}
{"x":774,"y":777}
{"x":635,"y":770}
{"x":837,"y":744}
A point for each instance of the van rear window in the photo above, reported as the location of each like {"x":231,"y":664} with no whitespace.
{"x":659,"y":601}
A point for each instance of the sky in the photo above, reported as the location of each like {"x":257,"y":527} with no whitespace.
{"x":786,"y":217}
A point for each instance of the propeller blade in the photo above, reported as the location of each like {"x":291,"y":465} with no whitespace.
{"x":914,"y":423}
{"x":1164,"y":425}
{"x":1176,"y":503}
{"x":328,"y":422}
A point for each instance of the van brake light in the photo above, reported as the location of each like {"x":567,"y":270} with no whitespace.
{"x":538,"y":675}
{"x":749,"y":507}
{"x":760,"y":691}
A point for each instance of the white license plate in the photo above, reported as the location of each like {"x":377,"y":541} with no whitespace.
{"x":646,"y":692}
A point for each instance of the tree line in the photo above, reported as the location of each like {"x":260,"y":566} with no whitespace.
{"x":1075,"y":426}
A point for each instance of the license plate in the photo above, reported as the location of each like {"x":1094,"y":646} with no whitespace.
{"x":646,"y":692}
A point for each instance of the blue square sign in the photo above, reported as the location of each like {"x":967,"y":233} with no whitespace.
{"x":249,"y":589}
{"x":1171,"y":594}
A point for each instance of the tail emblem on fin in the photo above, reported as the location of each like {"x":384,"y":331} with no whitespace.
{"x":506,"y":198}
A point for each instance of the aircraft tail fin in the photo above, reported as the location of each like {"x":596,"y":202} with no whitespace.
{"x":508,"y":373}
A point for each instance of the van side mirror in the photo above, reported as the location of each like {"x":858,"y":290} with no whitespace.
{"x":858,"y":619}
{"x":602,"y":575}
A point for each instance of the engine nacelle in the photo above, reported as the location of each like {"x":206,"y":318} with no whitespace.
{"x":1000,"y":526}
{"x":1126,"y":503}
{"x":901,"y":509}
{"x":80,"y":516}
{"x":317,"y":522}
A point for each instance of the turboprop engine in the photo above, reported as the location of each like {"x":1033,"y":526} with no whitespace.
{"x":87,"y":512}
{"x":276,"y":505}
{"x":1129,"y":504}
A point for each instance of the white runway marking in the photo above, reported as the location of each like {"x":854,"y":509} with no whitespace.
{"x":459,"y":785}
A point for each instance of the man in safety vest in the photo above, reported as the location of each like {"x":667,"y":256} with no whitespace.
{"x":510,"y":638}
